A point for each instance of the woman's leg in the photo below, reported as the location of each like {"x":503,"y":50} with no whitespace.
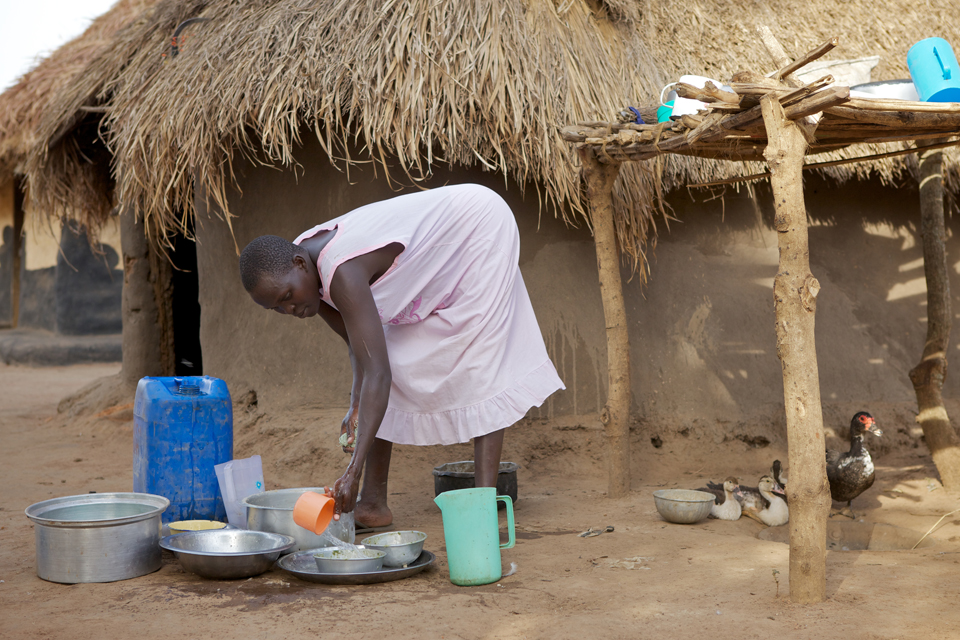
{"x":486,"y":456}
{"x":372,"y":509}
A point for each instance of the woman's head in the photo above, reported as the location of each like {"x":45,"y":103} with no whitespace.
{"x":280,"y":275}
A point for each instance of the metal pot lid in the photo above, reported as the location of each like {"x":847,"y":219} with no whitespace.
{"x":97,"y":509}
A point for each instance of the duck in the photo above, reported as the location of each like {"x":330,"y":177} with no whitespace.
{"x":778,"y":473}
{"x":766,"y":503}
{"x":851,"y":472}
{"x":726,"y":495}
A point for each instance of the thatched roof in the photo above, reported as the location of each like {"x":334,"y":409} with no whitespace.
{"x":473,"y":83}
{"x":22,"y":105}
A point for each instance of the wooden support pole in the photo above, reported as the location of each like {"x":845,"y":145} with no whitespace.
{"x":795,"y":300}
{"x":928,"y":376}
{"x":143,"y":336}
{"x":615,"y":416}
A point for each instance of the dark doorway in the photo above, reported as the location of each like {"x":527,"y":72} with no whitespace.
{"x":186,"y":306}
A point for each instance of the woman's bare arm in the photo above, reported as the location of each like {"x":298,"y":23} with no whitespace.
{"x":350,"y":291}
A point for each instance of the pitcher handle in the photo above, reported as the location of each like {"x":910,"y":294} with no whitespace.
{"x":512,"y":536}
{"x":944,"y":69}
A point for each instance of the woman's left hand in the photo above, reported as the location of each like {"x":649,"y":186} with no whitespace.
{"x":344,"y":493}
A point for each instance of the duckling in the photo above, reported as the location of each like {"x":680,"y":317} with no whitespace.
{"x":727,"y":496}
{"x":851,"y":472}
{"x":764,"y":505}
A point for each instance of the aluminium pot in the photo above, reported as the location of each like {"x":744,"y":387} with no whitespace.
{"x":460,"y":475}
{"x":97,"y":537}
{"x":273,"y":511}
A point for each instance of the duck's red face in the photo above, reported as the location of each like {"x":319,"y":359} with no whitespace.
{"x":869,"y":424}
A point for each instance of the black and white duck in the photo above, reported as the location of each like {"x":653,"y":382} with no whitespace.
{"x":778,"y":473}
{"x":851,"y":472}
{"x":766,"y":503}
{"x":727,"y":505}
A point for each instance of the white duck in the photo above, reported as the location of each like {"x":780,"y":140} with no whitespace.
{"x":727,"y":496}
{"x":764,"y":505}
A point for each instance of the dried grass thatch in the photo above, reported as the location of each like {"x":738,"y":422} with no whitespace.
{"x":419,"y":83}
{"x":414,"y":84}
{"x":23,"y":105}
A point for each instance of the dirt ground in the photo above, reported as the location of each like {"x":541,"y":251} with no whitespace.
{"x":646,"y":579}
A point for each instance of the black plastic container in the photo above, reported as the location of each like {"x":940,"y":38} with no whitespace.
{"x":460,"y":475}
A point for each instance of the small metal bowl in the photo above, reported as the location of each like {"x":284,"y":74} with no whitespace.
{"x":401,"y":547}
{"x":683,"y":506}
{"x":226,"y":554}
{"x":334,"y":560}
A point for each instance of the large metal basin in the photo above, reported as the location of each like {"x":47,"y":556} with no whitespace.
{"x":227,"y":554}
{"x":97,"y":537}
{"x":273,"y":511}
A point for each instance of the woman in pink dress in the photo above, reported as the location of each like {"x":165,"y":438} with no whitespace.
{"x":426,"y":291}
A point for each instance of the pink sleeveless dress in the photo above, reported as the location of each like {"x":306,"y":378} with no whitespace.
{"x":466,"y":354}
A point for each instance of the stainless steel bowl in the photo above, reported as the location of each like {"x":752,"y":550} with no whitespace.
{"x":224,"y":554}
{"x":683,"y":506}
{"x":340,"y":560}
{"x":273,"y":511}
{"x":401,"y":547}
{"x":97,"y":537}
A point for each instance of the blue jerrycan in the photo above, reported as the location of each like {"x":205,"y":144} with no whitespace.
{"x":182,"y":428}
{"x":472,"y":534}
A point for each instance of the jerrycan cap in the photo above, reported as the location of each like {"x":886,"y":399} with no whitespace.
{"x":185,"y":388}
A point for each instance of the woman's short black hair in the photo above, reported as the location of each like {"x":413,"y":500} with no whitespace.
{"x":266,"y":256}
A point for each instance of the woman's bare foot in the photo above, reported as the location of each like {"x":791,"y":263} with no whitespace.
{"x":372,"y":516}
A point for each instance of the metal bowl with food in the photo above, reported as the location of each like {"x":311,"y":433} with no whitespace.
{"x":401,"y":547}
{"x":349,"y":560}
{"x":226,"y":554}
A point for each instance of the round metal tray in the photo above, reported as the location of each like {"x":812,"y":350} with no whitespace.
{"x":302,"y":565}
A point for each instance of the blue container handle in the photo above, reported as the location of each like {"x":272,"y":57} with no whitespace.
{"x":944,"y":69}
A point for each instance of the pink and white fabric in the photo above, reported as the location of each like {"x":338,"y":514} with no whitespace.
{"x":466,"y":354}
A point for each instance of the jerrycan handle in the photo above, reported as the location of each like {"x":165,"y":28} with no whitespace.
{"x":512,"y":540}
{"x":944,"y":69}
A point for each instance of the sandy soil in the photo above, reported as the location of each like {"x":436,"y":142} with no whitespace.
{"x":646,"y":579}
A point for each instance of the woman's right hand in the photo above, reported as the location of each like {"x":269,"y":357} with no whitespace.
{"x":349,"y":427}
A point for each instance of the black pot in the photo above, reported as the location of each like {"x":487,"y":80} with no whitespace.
{"x":460,"y":475}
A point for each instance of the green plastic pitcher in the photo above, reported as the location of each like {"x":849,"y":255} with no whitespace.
{"x":472,"y":534}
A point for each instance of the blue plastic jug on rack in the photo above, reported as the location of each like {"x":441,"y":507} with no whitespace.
{"x":934,"y":70}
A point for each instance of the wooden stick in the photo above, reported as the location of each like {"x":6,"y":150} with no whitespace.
{"x":882,"y":104}
{"x":615,"y":415}
{"x":709,"y":93}
{"x":817,"y":102}
{"x":795,"y":292}
{"x":902,"y":120}
{"x":822,"y":165}
{"x":807,"y":58}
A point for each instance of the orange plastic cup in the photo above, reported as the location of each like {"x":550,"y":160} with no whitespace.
{"x":313,"y":511}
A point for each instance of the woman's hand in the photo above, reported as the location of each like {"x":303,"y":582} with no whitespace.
{"x":349,"y":428}
{"x":344,"y":492}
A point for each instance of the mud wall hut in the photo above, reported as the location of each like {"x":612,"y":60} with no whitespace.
{"x":52,"y":276}
{"x":268,"y":120}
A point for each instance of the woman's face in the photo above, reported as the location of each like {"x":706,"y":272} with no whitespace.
{"x":296,"y":294}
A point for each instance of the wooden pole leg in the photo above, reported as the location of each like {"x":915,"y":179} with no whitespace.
{"x":599,"y":178}
{"x":929,"y":374}
{"x":795,"y":297}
